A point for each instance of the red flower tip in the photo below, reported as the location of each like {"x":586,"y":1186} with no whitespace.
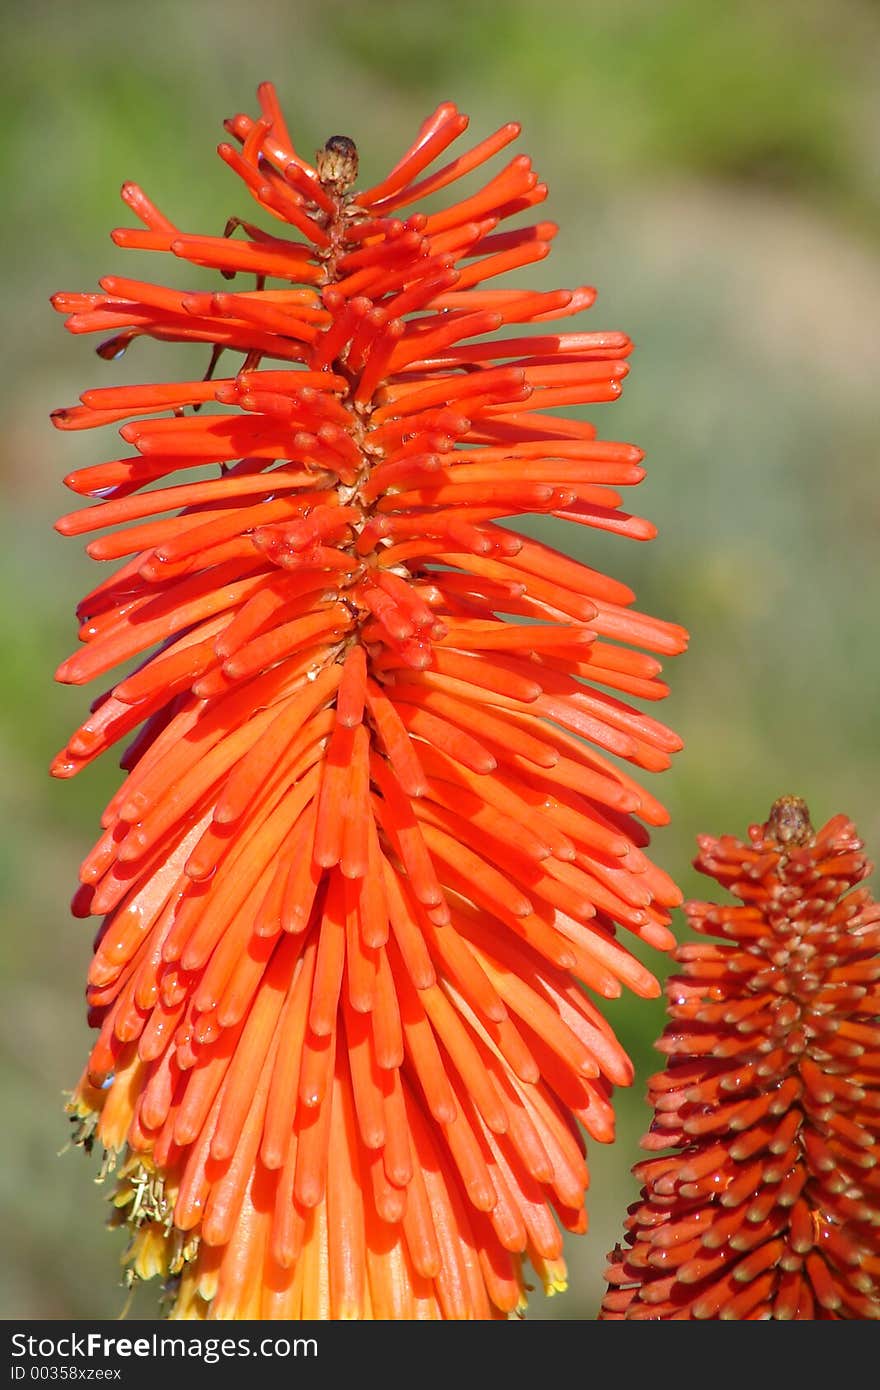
{"x":768,"y":1205}
{"x":375,"y":836}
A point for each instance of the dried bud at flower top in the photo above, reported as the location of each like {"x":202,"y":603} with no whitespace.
{"x":337,"y":164}
{"x":789,"y":821}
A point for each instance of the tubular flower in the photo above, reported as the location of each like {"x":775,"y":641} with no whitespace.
{"x":769,"y":1206}
{"x":374,"y":836}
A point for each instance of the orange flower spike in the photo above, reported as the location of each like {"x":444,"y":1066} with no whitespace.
{"x":368,"y":854}
{"x":769,"y":1205}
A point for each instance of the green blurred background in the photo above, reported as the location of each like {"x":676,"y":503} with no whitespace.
{"x":713,"y":168}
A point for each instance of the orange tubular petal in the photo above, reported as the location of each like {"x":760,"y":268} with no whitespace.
{"x":345,"y":1204}
{"x":457,"y":168}
{"x":251,"y":1056}
{"x":396,"y":741}
{"x":420,"y":157}
{"x":366,"y":1078}
{"x":398,"y":820}
{"x":313,"y":1130}
{"x":281,"y":1101}
{"x":330,"y":961}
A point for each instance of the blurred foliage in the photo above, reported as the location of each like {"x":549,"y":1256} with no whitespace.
{"x":714,"y":171}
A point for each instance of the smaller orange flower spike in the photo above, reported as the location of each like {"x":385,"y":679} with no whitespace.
{"x":769,"y":1204}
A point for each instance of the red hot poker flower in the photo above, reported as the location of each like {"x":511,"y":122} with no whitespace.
{"x":374,"y":835}
{"x":769,"y":1206}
